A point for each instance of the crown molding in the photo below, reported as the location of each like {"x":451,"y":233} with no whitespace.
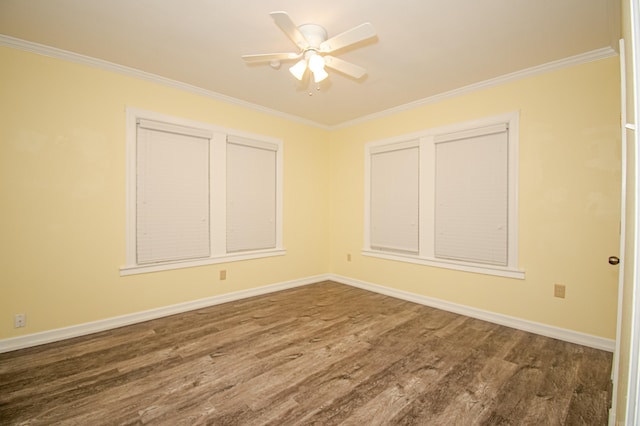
{"x":594,"y":55}
{"x":77,"y":58}
{"x":53,"y":52}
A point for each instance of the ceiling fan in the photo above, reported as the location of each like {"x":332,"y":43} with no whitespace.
{"x":314,"y":48}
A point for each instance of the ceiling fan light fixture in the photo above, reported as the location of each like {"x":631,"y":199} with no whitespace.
{"x":316,"y":62}
{"x":316,"y":65}
{"x":312,"y":41}
{"x":298,"y":69}
{"x":319,"y":75}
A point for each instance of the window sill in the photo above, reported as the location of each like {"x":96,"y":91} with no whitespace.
{"x":233,"y":257}
{"x":449,"y":264}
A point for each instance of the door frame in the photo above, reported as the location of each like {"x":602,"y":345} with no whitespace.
{"x":623,"y":230}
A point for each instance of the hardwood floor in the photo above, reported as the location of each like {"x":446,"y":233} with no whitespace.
{"x":323,"y":354}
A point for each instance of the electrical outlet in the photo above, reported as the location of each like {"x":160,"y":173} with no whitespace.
{"x":348,"y":257}
{"x":223,"y":274}
{"x":20,"y":320}
{"x":559,"y":290}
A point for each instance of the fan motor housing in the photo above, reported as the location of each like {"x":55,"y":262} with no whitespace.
{"x":315,"y":34}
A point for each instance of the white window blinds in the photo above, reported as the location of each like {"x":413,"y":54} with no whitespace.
{"x":394,"y":198}
{"x":471,"y":196}
{"x":199,"y":194}
{"x":251,"y":194}
{"x":172,"y":192}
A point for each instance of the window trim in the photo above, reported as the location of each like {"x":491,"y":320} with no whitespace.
{"x":427,"y":139}
{"x":218,"y":143}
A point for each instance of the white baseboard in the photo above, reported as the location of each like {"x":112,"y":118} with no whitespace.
{"x":50,"y":336}
{"x":517,"y":323}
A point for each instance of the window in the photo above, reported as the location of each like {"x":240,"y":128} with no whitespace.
{"x":471,"y":196}
{"x":172,"y":185}
{"x":199,"y":194}
{"x":394,"y":202}
{"x":251,"y":194}
{"x":446,"y":197}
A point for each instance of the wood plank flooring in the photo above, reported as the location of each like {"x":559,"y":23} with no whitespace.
{"x":324,"y":354}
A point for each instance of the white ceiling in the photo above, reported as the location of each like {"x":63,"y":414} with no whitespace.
{"x":424,"y":47}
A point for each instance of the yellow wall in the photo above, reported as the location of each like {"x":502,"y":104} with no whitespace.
{"x":569,"y":186}
{"x":62,"y":182}
{"x":62,"y":165}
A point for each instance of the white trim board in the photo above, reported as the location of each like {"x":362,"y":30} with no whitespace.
{"x":517,"y":323}
{"x":35,"y":339}
{"x":77,"y":58}
{"x":30,"y":340}
{"x":583,"y":58}
{"x":41,"y":49}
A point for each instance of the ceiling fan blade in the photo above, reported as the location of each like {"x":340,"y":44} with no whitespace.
{"x":285,"y":23}
{"x":344,"y":67}
{"x":349,"y":37}
{"x":267,"y":57}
